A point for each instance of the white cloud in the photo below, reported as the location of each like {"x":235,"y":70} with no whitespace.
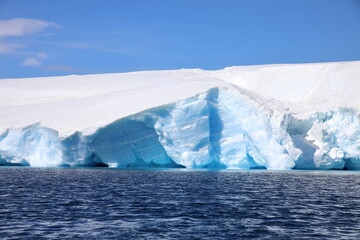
{"x":7,"y":48}
{"x":77,"y":45}
{"x":23,"y":26}
{"x":42,"y":55}
{"x":31,"y":62}
{"x":18,"y":27}
{"x":34,"y":61}
{"x":62,"y":68}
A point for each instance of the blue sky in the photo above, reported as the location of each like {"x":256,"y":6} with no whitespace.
{"x":50,"y":38}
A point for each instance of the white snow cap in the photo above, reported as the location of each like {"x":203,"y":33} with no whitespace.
{"x":81,"y":102}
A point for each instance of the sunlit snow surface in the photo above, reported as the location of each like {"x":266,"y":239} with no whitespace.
{"x":196,"y":119}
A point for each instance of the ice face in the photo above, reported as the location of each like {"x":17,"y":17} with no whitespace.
{"x":332,"y":142}
{"x":254,"y":132}
{"x":224,"y":128}
{"x":75,"y":150}
{"x":220,"y":128}
{"x":33,"y":145}
{"x":128,"y":143}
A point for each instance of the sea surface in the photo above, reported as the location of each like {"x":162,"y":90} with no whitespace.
{"x":65,"y":203}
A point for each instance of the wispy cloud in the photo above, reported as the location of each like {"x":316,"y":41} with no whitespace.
{"x":31,"y":62}
{"x":42,"y":55}
{"x":17,"y":28}
{"x":62,"y":68}
{"x":111,"y":47}
{"x":23,"y":26}
{"x":7,"y":48}
{"x":34,"y":61}
{"x":82,"y":45}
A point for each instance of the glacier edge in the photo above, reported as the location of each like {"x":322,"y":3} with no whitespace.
{"x":222,"y":128}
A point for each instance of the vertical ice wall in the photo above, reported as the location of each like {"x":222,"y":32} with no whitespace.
{"x":223,"y":128}
{"x":33,"y":145}
{"x":329,"y":140}
{"x":220,"y":128}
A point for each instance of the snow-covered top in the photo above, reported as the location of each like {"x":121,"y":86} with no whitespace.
{"x":78,"y":102}
{"x":313,"y":86}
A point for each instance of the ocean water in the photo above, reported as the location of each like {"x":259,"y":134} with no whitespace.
{"x":65,"y":203}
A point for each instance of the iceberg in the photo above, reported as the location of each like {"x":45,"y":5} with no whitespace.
{"x":281,"y":117}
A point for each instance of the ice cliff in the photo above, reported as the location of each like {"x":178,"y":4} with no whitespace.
{"x":302,"y":116}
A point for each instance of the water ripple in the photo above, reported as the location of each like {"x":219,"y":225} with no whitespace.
{"x":117,"y":204}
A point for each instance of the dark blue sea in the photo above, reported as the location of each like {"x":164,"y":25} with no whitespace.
{"x":65,"y":203}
